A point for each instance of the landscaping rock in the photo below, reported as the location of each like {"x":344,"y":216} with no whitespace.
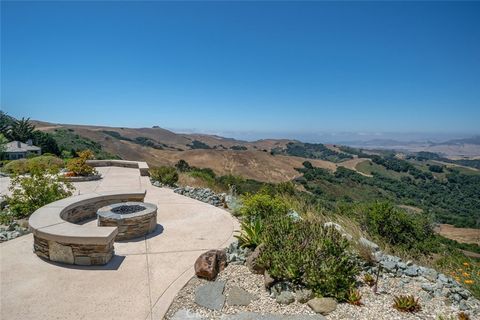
{"x":303,"y":295}
{"x":279,"y":287}
{"x":369,"y":244}
{"x":285,"y":297}
{"x":239,"y":297}
{"x":210,"y":295}
{"x":268,"y":280}
{"x":210,"y":263}
{"x":252,"y":261}
{"x":322,"y":305}
{"x":259,"y":316}
{"x":184,"y":314}
{"x":201,"y":194}
{"x":411,"y":271}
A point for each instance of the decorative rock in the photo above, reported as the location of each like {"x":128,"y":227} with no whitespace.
{"x":285,"y":297}
{"x":430,"y":274}
{"x":411,"y":271}
{"x":294,"y":215}
{"x":402,"y":265}
{"x":322,"y":305}
{"x":239,"y":297}
{"x":369,"y":244}
{"x":428,"y":287}
{"x":389,"y":265}
{"x":252,"y":261}
{"x":268,"y":280}
{"x":210,"y":295}
{"x":184,"y":314}
{"x":210,"y":263}
{"x":258,"y":316}
{"x":303,"y":295}
{"x":279,"y":287}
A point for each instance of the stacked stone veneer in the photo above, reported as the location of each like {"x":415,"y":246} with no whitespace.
{"x":72,"y":253}
{"x":131,"y":225}
{"x":57,"y":237}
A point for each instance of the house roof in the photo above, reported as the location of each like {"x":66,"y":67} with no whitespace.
{"x":17,"y":146}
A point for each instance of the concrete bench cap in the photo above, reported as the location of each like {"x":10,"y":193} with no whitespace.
{"x":47,"y":222}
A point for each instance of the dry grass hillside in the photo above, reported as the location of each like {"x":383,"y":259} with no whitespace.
{"x":255,"y":162}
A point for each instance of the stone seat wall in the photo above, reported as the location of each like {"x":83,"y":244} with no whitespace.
{"x":141,"y":166}
{"x":57,"y":237}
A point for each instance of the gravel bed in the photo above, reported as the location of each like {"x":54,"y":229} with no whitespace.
{"x":376,"y":306}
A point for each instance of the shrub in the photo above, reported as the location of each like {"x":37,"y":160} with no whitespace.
{"x":406,"y":303}
{"x":250,"y":236}
{"x":182,"y":166}
{"x":17,"y":166}
{"x":24,"y":166}
{"x":261,"y":206}
{"x":36,"y":190}
{"x":306,"y":253}
{"x":79,"y":167}
{"x":165,"y":175}
{"x":399,"y":228}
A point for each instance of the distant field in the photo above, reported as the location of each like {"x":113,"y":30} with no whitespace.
{"x":463,"y":235}
{"x":368,"y":168}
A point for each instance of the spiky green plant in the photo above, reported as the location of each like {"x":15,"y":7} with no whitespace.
{"x":463,"y":316}
{"x":354,"y":297}
{"x":406,"y":303}
{"x":250,"y":236}
{"x":368,"y":279}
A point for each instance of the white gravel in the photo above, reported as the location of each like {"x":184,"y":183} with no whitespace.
{"x":375,"y":306}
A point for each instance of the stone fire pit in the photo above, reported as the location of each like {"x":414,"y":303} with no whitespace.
{"x":133,"y":219}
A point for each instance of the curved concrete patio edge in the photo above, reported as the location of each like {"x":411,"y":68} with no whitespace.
{"x":142,"y":279}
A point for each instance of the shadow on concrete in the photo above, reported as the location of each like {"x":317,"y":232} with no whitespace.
{"x":113,"y":264}
{"x":158,"y":231}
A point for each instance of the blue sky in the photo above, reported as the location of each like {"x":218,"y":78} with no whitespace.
{"x":245,"y":67}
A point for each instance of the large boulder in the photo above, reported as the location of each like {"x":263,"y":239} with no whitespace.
{"x":322,"y":305}
{"x":210,"y":263}
{"x":252,"y":261}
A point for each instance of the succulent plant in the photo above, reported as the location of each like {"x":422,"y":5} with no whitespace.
{"x":406,"y":303}
{"x":463,"y":316}
{"x":368,"y":279}
{"x":354,"y":297}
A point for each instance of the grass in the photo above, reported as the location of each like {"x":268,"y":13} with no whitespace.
{"x":370,"y":168}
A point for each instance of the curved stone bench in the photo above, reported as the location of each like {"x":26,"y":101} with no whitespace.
{"x":142,"y":166}
{"x":58,"y":238}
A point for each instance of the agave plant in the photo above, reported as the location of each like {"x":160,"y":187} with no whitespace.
{"x":406,"y":303}
{"x":463,"y":316}
{"x":354,"y":297}
{"x":249,"y":237}
{"x":368,"y":279}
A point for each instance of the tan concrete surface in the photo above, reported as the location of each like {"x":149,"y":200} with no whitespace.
{"x":141,"y":280}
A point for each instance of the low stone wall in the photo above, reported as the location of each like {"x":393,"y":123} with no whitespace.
{"x":140,"y":165}
{"x":70,"y":253}
{"x":88,"y":210}
{"x":130,"y":226}
{"x":84,"y":178}
{"x":58,"y":239}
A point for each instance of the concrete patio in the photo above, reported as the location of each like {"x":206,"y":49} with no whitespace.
{"x":138,"y":283}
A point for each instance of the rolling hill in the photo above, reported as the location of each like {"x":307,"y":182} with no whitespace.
{"x":158,"y":146}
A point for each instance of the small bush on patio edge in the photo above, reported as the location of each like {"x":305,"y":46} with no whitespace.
{"x":79,"y":167}
{"x":165,"y":175}
{"x":32,"y":192}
